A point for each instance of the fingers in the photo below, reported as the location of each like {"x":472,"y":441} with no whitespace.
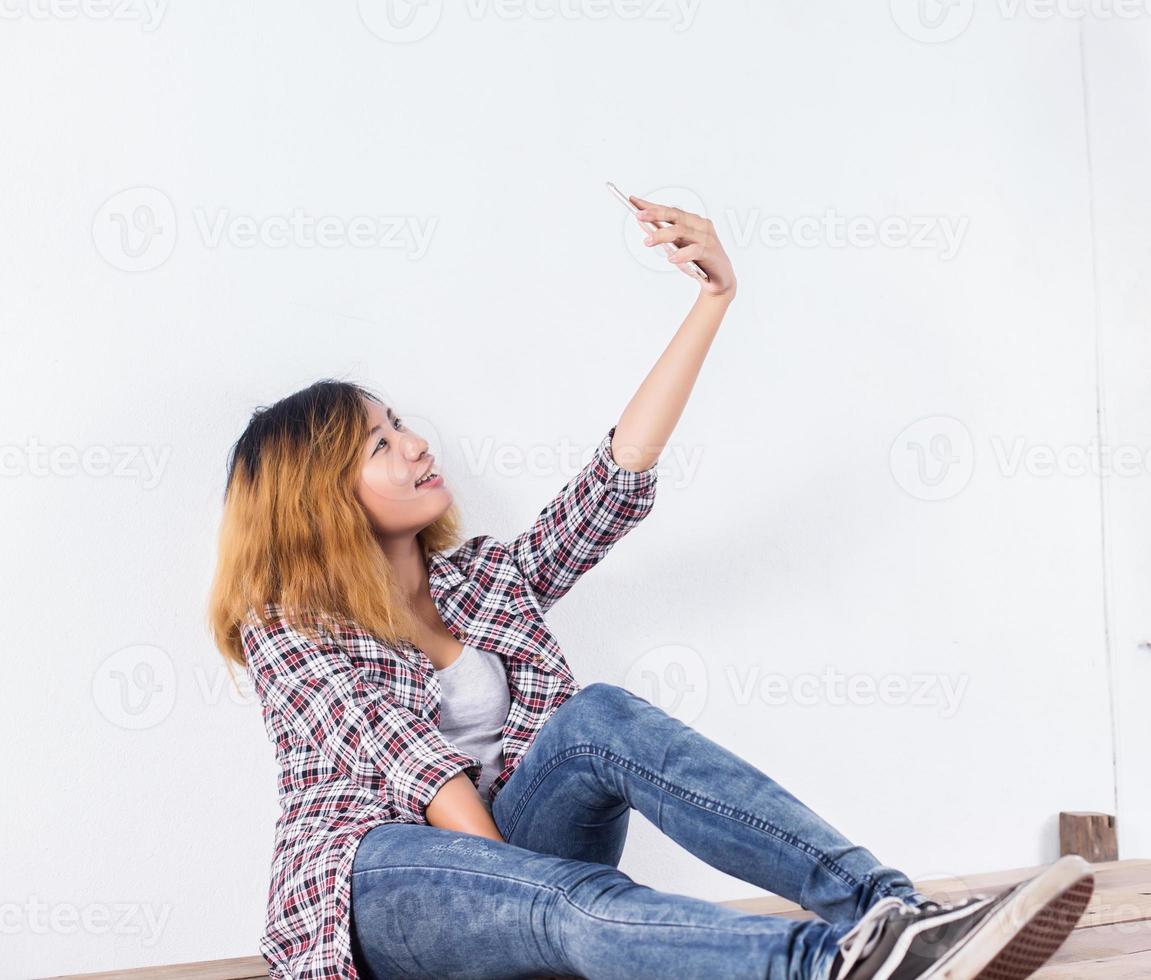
{"x":687,"y":224}
{"x":688,"y":253}
{"x":671,"y":233}
{"x":701,"y":230}
{"x":658,"y":212}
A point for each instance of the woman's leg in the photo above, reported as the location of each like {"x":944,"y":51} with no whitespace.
{"x":606,"y":750}
{"x":435,"y":903}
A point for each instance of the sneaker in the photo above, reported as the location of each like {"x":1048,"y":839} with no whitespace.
{"x":1025,"y":926}
{"x":897,"y":941}
{"x":1007,"y":937}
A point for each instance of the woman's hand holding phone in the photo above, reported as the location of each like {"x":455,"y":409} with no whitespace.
{"x":694,"y":245}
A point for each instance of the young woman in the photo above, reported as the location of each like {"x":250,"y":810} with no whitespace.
{"x":454,"y":803}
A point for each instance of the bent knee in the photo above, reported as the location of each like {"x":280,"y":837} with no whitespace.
{"x":610,"y":702}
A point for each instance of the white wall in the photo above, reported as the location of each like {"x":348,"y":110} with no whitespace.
{"x":1119,"y":78}
{"x":794,"y":530}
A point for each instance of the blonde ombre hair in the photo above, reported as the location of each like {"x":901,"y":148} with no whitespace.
{"x":294,"y":533}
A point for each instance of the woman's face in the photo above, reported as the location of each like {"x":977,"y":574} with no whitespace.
{"x":394,"y":458}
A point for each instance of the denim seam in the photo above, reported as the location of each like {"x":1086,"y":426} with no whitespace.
{"x":567,"y":898}
{"x":694,"y":798}
{"x":884,"y":890}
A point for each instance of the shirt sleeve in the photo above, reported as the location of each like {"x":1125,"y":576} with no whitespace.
{"x":355,"y":725}
{"x":573,"y":533}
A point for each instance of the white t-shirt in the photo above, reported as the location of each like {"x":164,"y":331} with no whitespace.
{"x":473,"y":708}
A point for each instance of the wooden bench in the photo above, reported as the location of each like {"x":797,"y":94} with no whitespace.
{"x":1112,"y":941}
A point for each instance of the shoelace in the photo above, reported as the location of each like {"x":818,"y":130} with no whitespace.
{"x":933,"y":906}
{"x":862,"y":937}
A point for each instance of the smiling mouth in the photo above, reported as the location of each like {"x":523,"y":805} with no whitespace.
{"x":431,"y":475}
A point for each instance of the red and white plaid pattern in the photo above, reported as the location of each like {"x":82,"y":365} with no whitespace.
{"x":354,"y":721}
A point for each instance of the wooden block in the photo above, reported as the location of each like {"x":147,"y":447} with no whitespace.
{"x":1090,"y":835}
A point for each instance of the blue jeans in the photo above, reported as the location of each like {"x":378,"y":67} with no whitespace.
{"x":550,"y":899}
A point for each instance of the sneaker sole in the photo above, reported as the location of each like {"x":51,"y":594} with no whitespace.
{"x":1018,"y":938}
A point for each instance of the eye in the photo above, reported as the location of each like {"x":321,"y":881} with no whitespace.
{"x":397,"y":422}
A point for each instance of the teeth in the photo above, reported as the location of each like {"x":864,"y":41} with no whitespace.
{"x":423,"y":480}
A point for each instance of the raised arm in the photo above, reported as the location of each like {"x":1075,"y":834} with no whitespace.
{"x":649,"y":418}
{"x":616,"y":489}
{"x":576,"y":529}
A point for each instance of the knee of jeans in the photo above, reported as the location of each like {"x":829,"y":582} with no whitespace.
{"x":609,"y":703}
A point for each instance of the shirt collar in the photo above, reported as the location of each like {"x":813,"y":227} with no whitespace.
{"x":443,"y":573}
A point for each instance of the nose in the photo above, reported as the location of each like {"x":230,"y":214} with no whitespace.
{"x":422,"y":448}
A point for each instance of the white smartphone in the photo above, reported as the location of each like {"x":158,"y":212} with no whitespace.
{"x":668,"y":247}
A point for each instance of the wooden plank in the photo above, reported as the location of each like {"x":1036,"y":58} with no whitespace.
{"x":1108,"y":875}
{"x":1115,"y":928}
{"x":238,"y":968}
{"x":1136,"y":966}
{"x":1122,"y":904}
{"x":1101,"y":942}
{"x":1112,"y":942}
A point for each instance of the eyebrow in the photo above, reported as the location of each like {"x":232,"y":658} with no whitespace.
{"x":375,"y":428}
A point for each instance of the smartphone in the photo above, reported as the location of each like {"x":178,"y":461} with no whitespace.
{"x":668,"y":247}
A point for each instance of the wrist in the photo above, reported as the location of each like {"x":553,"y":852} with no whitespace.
{"x":723,"y":298}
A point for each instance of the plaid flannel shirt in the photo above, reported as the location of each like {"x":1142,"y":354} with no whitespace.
{"x":354,"y":720}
